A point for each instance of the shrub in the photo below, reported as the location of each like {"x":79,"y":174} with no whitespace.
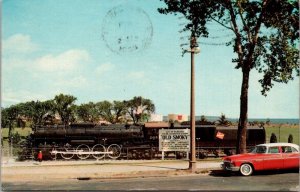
{"x":290,"y":139}
{"x":273,"y":138}
{"x":16,"y":138}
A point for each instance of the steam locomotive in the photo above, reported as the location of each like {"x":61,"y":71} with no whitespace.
{"x":87,"y":140}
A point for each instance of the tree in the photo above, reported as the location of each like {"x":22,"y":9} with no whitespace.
{"x":265,"y":38}
{"x":65,"y":107}
{"x":88,"y":112}
{"x":223,"y":121}
{"x":119,"y":110}
{"x":36,"y":110}
{"x":8,"y":118}
{"x":105,"y":108}
{"x":108,"y":111}
{"x":290,"y":139}
{"x":139,"y":108}
{"x":112,"y":112}
{"x":203,"y":119}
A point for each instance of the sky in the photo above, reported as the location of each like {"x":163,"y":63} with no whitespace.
{"x":100,"y":50}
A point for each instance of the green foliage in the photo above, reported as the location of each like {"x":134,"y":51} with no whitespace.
{"x":88,"y":112}
{"x":139,"y":109}
{"x":64,"y":106}
{"x":9,"y":117}
{"x":273,"y":138}
{"x":38,"y":112}
{"x":15,"y":138}
{"x":265,"y":32}
{"x":203,"y":119}
{"x":290,"y":139}
{"x":223,"y":120}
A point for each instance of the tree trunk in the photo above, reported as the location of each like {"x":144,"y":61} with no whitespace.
{"x":10,"y":132}
{"x":242,"y":127}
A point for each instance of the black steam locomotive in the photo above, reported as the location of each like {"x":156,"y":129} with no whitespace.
{"x":86,"y":140}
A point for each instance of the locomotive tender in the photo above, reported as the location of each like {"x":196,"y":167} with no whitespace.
{"x":85,"y":140}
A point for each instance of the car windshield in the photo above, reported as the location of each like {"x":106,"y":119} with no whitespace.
{"x":259,"y":149}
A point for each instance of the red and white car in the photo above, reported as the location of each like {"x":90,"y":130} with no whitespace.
{"x":271,"y":156}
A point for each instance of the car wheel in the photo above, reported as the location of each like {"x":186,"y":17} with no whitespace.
{"x":246,"y":169}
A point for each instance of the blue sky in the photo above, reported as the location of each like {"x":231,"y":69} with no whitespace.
{"x":114,"y":50}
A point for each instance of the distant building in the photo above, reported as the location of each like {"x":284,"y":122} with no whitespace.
{"x":156,"y":118}
{"x":177,"y":117}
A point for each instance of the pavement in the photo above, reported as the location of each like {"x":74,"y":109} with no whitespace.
{"x":105,"y":169}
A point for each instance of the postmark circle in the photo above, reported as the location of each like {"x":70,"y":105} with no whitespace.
{"x":127,"y":29}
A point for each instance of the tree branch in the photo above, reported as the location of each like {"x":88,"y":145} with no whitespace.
{"x":236,"y":30}
{"x":230,"y":28}
{"x":244,"y":22}
{"x":255,"y":32}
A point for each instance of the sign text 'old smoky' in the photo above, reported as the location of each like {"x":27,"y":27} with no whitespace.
{"x":174,"y":139}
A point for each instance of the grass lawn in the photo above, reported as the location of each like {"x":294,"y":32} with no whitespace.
{"x":285,"y":131}
{"x":22,"y":131}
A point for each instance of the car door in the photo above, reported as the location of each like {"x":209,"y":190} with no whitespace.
{"x":290,"y":157}
{"x":273,"y":159}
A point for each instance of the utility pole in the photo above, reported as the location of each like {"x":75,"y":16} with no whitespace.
{"x":193,"y":49}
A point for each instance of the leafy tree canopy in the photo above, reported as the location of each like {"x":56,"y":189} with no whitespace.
{"x":266,"y":32}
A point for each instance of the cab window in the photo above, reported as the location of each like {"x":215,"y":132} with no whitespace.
{"x":294,"y":150}
{"x":273,"y":150}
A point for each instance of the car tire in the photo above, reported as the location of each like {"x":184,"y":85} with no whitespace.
{"x":246,"y":169}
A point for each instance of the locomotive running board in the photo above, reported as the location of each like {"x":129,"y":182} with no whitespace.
{"x":80,"y":152}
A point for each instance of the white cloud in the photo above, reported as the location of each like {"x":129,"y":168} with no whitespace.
{"x":103,"y":68}
{"x":66,"y":61}
{"x":19,"y":43}
{"x":136,"y":75}
{"x":75,"y":82}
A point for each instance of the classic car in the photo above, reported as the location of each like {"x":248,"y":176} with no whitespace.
{"x":270,"y":156}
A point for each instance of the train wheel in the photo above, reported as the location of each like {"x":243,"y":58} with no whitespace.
{"x":147,"y":154}
{"x":133,"y":154}
{"x":114,"y":151}
{"x":68,"y":152}
{"x":81,"y":149}
{"x":98,"y":148}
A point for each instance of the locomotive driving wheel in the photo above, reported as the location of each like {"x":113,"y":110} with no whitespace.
{"x":67,"y":152}
{"x":99,"y":148}
{"x":81,"y":151}
{"x":114,"y":151}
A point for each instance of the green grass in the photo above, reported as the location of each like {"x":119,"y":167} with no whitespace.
{"x":22,"y":131}
{"x":285,"y":131}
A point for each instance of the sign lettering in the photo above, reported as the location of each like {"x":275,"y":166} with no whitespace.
{"x":174,"y":139}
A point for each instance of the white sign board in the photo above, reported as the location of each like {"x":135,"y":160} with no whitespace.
{"x":174,"y":139}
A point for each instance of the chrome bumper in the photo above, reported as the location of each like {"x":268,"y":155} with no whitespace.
{"x":229,"y":167}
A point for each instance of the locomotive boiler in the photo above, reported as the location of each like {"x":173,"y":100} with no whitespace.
{"x":87,"y":140}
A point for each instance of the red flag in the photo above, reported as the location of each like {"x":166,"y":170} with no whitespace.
{"x":220,"y":135}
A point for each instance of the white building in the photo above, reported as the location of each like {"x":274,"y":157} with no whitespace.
{"x":156,"y":118}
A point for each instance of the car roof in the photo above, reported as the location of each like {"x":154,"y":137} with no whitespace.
{"x":280,"y":144}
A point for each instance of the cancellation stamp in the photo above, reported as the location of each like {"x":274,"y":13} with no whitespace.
{"x":127,"y":29}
